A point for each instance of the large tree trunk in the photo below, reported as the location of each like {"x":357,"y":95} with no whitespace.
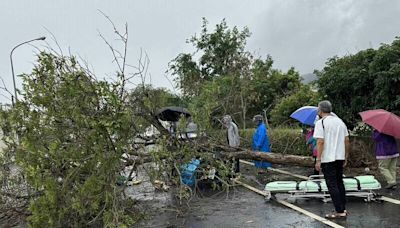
{"x":271,"y":157}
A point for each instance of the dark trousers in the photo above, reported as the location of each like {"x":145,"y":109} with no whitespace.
{"x":234,"y":165}
{"x":333,"y":174}
{"x":315,"y":172}
{"x":237,"y":165}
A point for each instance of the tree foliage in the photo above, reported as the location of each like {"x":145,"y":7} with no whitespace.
{"x":227,"y":79}
{"x":155,"y":98}
{"x":281,"y":112}
{"x":369,"y":79}
{"x":72,"y":131}
{"x":221,"y":53}
{"x":269,"y":85}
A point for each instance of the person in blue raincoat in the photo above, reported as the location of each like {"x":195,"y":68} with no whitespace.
{"x":261,"y":141}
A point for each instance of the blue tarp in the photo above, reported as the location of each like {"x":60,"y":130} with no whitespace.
{"x":188,"y":174}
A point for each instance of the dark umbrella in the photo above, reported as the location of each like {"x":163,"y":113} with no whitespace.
{"x":172,"y":113}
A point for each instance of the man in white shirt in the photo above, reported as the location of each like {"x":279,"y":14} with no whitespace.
{"x":332,"y":145}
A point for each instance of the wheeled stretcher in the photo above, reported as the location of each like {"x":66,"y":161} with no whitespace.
{"x":315,"y":187}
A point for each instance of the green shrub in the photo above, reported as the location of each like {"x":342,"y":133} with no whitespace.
{"x":362,"y":129}
{"x":72,"y":133}
{"x":283,"y":140}
{"x":292,"y":141}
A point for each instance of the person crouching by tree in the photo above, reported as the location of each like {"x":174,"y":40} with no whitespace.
{"x":386,"y":153}
{"x":261,"y":142}
{"x":232,"y":135}
{"x":333,"y":146}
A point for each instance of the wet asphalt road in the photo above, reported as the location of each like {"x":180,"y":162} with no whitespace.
{"x":244,"y":208}
{"x":361,"y":214}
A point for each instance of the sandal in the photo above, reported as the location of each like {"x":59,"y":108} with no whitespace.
{"x":335,"y":215}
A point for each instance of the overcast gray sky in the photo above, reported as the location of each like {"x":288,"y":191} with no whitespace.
{"x":299,"y":33}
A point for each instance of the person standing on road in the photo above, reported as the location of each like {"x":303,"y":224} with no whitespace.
{"x":233,"y":138}
{"x":386,"y":153}
{"x":332,"y":146}
{"x":311,"y":143}
{"x":261,"y":141}
{"x":191,"y":129}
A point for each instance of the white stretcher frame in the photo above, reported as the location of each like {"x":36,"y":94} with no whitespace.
{"x":368,"y":194}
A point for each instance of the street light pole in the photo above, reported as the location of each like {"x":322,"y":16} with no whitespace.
{"x":12,"y":66}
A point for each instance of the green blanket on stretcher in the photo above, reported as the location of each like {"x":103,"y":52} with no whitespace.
{"x":357,"y":183}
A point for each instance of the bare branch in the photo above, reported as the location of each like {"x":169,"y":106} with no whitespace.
{"x":86,"y":68}
{"x":125,"y":47}
{"x":55,"y":41}
{"x":35,"y":47}
{"x":4,"y":87}
{"x":112,"y":51}
{"x":116,"y":31}
{"x":147,"y":63}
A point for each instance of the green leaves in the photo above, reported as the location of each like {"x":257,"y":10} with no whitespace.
{"x":72,"y":131}
{"x":281,"y":112}
{"x":369,"y":79}
{"x":219,"y":53}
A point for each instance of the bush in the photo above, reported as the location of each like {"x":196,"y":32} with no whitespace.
{"x":292,"y":141}
{"x":362,"y":152}
{"x":362,"y":129}
{"x":72,"y":132}
{"x":283,"y":140}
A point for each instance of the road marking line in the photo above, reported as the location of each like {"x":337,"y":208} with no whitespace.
{"x":288,"y":173}
{"x":390,"y":200}
{"x":292,"y":206}
{"x":310,"y":214}
{"x":246,"y":162}
{"x":277,"y":170}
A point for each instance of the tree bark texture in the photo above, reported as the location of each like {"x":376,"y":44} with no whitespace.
{"x":274,"y":158}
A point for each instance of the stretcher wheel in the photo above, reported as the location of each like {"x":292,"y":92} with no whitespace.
{"x":377,"y":198}
{"x":368,"y":199}
{"x":326,"y":200}
{"x":268,"y":196}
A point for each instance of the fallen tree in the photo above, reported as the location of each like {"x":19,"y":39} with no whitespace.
{"x":228,"y":153}
{"x":275,"y":158}
{"x":357,"y":155}
{"x":203,"y":145}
